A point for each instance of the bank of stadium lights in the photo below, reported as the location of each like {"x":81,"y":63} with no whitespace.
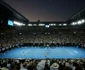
{"x":73,"y":23}
{"x":52,"y":24}
{"x":29,"y":24}
{"x":78,"y":22}
{"x":19,"y":23}
{"x":47,"y":25}
{"x":83,"y":21}
{"x":41,"y":24}
{"x":64,"y":24}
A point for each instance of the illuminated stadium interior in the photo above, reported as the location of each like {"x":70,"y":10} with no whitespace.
{"x":24,"y":42}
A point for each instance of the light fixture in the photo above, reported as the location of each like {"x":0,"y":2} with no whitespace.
{"x":65,"y":24}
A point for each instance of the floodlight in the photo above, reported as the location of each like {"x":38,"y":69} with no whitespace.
{"x":41,"y":24}
{"x":64,"y":24}
{"x":60,"y":24}
{"x":74,"y":23}
{"x":52,"y":24}
{"x":17,"y":23}
{"x":22,"y":24}
{"x":29,"y":24}
{"x":79,"y":22}
{"x":83,"y":21}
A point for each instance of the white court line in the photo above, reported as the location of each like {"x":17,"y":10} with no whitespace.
{"x":75,"y":51}
{"x":70,"y":52}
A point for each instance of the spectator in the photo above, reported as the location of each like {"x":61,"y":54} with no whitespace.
{"x":4,"y":66}
{"x":46,"y":66}
{"x":54,"y":66}
{"x":24,"y":67}
{"x":67,"y":67}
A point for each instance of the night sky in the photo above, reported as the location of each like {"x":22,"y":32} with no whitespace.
{"x":47,"y":10}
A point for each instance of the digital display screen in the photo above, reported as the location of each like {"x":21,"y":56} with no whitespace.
{"x":10,"y":23}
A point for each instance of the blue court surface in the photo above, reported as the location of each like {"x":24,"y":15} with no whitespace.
{"x":41,"y":53}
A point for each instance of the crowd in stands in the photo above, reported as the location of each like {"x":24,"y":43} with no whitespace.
{"x":42,"y":64}
{"x":13,"y":37}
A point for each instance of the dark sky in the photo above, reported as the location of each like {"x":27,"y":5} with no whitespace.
{"x":47,"y":10}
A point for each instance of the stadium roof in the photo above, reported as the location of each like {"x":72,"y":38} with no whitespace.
{"x":78,"y":15}
{"x":8,"y":12}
